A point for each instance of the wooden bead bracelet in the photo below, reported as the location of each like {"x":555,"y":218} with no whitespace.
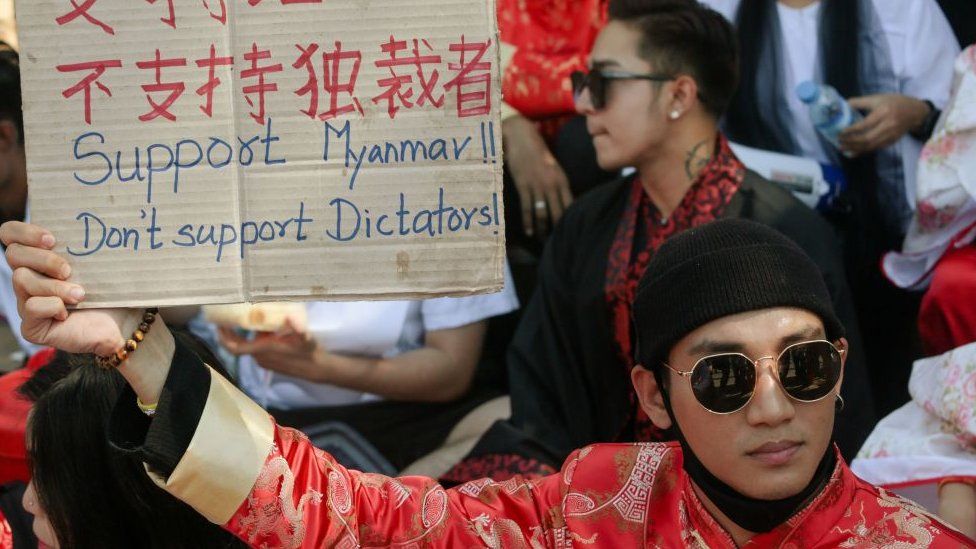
{"x":113,"y":361}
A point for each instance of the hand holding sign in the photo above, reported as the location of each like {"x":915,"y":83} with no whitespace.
{"x":354,"y":156}
{"x":44,"y":293}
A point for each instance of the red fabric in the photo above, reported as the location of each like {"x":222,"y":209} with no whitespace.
{"x":13,"y":419}
{"x":606,"y":495}
{"x":6,"y":534}
{"x":947,"y":317}
{"x":496,"y":467}
{"x":553,"y":38}
{"x":704,"y":202}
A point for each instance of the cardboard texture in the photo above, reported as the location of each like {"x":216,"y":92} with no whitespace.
{"x":212,"y":151}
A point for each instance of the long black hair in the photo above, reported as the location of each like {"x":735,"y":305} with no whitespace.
{"x":839,"y":47}
{"x":94,"y":497}
{"x":841,"y":58}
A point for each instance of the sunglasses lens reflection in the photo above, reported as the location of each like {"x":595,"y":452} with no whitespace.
{"x":809,"y":371}
{"x":592,"y":81}
{"x":724,"y":383}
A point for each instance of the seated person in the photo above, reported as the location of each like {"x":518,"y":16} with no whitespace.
{"x":548,"y":156}
{"x":14,"y":409}
{"x":661,"y":76}
{"x":745,"y":367}
{"x":939,"y":253}
{"x":891,"y":59}
{"x":14,"y":468}
{"x":82,"y":493}
{"x":422,"y":354}
{"x":13,"y":179}
{"x":927,"y":448}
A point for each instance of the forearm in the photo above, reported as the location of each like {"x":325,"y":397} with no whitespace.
{"x":216,"y":450}
{"x":213,"y":448}
{"x":146,"y":368}
{"x":426,"y":374}
{"x":957,"y":506}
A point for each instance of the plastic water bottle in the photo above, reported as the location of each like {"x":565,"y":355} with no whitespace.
{"x":829,"y":112}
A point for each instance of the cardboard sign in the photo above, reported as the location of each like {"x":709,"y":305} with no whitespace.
{"x":215,"y":151}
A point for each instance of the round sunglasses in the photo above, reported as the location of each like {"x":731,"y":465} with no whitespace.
{"x":725,"y":383}
{"x":597,"y":81}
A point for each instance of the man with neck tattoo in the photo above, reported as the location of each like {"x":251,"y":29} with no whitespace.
{"x":661,"y":75}
{"x":746,"y":368}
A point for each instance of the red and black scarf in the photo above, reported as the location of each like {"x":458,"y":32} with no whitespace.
{"x":640,"y":233}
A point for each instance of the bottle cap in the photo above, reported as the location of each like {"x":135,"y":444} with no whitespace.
{"x":807,"y":91}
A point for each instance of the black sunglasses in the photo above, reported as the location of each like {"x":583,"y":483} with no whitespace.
{"x":724,"y":383}
{"x":597,"y":81}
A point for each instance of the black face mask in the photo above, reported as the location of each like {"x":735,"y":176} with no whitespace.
{"x":754,"y":515}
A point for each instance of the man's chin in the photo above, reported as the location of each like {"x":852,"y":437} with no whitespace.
{"x":778,"y":484}
{"x":608,"y":164}
{"x":773,"y":492}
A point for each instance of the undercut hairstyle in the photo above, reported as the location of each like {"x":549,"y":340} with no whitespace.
{"x":685,"y":37}
{"x":10,"y":100}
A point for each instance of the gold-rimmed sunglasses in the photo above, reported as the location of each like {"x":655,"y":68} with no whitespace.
{"x":725,"y":383}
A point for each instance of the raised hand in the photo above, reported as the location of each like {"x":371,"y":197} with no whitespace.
{"x":40,"y":280}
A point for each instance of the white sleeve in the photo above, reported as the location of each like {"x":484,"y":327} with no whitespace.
{"x":930,"y":53}
{"x":453,"y":312}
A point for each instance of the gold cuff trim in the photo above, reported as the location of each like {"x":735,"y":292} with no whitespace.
{"x":226,"y":455}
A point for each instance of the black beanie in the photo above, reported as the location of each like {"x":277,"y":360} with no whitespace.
{"x":723,"y":268}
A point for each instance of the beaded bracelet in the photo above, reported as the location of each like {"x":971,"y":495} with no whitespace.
{"x":113,"y":361}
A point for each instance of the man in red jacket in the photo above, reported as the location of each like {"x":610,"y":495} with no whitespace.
{"x":744,"y":360}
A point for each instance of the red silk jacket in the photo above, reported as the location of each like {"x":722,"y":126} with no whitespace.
{"x":214,"y":448}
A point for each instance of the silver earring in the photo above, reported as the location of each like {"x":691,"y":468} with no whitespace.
{"x":675,"y":114}
{"x":840,"y":403}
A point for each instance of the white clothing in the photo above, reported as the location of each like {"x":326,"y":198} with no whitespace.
{"x":931,"y":438}
{"x":945,"y":216}
{"x":923,"y":49}
{"x":372,"y":329}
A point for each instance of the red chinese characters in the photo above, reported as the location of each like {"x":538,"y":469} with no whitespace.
{"x":262,"y":87}
{"x":329,"y":90}
{"x":399,"y":87}
{"x":174,"y":89}
{"x":473,"y":80}
{"x":82,"y":10}
{"x":171,"y":18}
{"x":332,"y":84}
{"x":311,"y":88}
{"x":222,"y":15}
{"x":207,"y":89}
{"x":96,"y":70}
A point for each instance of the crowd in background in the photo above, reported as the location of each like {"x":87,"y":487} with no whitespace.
{"x":600,"y":171}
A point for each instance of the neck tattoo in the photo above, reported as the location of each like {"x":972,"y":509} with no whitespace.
{"x":697,"y":158}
